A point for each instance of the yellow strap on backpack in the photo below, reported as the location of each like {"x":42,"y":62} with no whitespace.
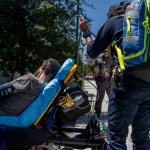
{"x":120,"y":56}
{"x":66,"y":101}
{"x":147,"y":3}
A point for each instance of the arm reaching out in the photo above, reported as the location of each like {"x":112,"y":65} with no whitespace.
{"x":85,"y":28}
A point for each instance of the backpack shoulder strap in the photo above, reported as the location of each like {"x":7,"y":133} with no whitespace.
{"x":148,"y":5}
{"x":119,"y":54}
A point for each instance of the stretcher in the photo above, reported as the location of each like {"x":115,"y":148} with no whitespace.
{"x":36,"y":125}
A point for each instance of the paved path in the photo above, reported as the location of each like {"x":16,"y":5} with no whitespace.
{"x":91,"y":89}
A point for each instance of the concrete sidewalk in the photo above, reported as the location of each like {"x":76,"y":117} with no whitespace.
{"x":92,"y":90}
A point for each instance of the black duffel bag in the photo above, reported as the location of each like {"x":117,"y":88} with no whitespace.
{"x":77,"y":99}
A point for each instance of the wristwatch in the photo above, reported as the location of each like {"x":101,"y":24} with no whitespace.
{"x":86,"y":33}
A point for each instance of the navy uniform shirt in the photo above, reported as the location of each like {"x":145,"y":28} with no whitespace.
{"x":111,"y":30}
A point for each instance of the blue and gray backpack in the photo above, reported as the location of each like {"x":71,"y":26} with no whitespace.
{"x":135,"y":55}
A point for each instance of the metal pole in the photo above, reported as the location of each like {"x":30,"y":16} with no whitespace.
{"x":77,"y":34}
{"x":76,"y":142}
{"x":77,"y":30}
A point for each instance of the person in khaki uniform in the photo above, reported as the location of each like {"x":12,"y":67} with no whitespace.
{"x":16,"y":95}
{"x":101,"y":71}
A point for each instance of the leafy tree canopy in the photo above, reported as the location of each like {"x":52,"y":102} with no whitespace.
{"x":34,"y":30}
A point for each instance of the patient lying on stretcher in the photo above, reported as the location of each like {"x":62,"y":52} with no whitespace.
{"x":16,"y":95}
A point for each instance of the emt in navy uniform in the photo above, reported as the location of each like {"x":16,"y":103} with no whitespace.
{"x":131,"y":107}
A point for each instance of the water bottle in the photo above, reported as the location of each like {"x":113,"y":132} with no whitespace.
{"x":103,"y":128}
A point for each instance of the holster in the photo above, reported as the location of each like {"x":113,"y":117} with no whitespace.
{"x":117,"y":81}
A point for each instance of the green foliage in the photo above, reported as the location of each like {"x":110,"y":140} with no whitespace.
{"x":34,"y":30}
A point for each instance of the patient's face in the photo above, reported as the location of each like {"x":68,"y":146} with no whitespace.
{"x":48,"y":70}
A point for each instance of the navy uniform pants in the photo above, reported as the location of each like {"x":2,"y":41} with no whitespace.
{"x":130,"y":108}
